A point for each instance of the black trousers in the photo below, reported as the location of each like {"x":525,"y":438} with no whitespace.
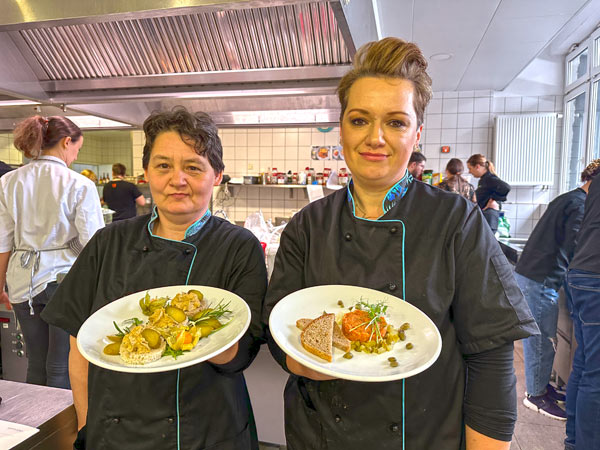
{"x":47,"y":346}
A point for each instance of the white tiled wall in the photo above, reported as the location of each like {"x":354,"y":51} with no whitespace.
{"x":8,"y":153}
{"x":464,"y":121}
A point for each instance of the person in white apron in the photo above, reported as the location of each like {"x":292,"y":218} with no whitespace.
{"x":47,"y":214}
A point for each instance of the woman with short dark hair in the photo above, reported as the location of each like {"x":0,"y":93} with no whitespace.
{"x":181,"y":242}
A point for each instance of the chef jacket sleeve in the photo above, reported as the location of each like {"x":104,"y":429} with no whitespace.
{"x":88,"y":215}
{"x":488,"y":308}
{"x":490,"y":404}
{"x":248,"y":279}
{"x":287,"y":277}
{"x":7,"y":224}
{"x":572,"y":225}
{"x":72,"y":302}
{"x":500,"y":190}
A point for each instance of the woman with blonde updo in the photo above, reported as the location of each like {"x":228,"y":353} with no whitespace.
{"x":410,"y":240}
{"x":47,"y":214}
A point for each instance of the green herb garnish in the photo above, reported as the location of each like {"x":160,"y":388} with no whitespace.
{"x":376,"y":312}
{"x":170,"y":352}
{"x":214,"y":313}
{"x":135,"y":322}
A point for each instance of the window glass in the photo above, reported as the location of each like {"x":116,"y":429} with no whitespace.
{"x":577,"y":67}
{"x":575,"y":140}
{"x":595,"y":123}
{"x":597,"y":52}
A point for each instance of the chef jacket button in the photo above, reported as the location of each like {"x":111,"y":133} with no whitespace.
{"x":394,"y":427}
{"x":170,"y":420}
{"x":188,"y":251}
{"x":116,"y":420}
{"x":348,"y":236}
{"x":338,"y":419}
{"x":393,"y":230}
{"x":145,"y":249}
{"x":164,"y":436}
{"x":392,"y":286}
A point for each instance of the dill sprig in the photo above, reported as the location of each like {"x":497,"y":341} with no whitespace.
{"x":174,"y":353}
{"x":214,"y":313}
{"x":376,"y":312}
{"x":134,"y":322}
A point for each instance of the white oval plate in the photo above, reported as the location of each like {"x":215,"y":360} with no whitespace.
{"x":311,"y":302}
{"x":92,"y":339}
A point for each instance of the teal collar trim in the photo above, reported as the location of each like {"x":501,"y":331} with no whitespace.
{"x":191,"y":230}
{"x":392,"y":197}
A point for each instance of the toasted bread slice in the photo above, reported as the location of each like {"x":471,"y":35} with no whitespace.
{"x":317,"y":337}
{"x":339,"y":340}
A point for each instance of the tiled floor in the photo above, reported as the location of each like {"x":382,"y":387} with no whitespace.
{"x":532,"y":432}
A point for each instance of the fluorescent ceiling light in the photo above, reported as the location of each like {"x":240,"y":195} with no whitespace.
{"x":96,"y":122}
{"x":17,"y":102}
{"x":244,"y":93}
{"x":441,"y":56}
{"x":281,"y":117}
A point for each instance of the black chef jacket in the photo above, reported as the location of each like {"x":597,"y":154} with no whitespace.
{"x":490,"y":186}
{"x":587,"y":254}
{"x":455,"y":273}
{"x":551,"y":245}
{"x":142,"y":411}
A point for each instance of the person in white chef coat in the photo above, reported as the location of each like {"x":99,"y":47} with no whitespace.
{"x":47,"y":214}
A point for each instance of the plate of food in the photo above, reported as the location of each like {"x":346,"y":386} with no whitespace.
{"x":355,"y":333}
{"x":163,"y":329}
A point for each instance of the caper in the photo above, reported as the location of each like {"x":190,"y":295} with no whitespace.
{"x":394,"y":363}
{"x":401,"y":335}
{"x":409,"y":346}
{"x":341,"y":303}
{"x":350,"y":309}
{"x":348,"y":355}
{"x":391,"y":359}
{"x":405,"y":326}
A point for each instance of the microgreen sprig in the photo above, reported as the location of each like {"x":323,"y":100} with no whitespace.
{"x":134,"y":322}
{"x":376,"y":312}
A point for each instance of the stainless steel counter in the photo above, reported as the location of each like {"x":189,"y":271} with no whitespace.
{"x":48,"y":409}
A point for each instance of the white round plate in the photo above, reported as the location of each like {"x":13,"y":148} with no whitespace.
{"x":311,"y":302}
{"x":92,"y":337}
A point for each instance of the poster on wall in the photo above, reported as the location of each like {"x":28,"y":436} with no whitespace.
{"x":327,"y":152}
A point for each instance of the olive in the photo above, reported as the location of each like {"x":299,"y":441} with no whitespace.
{"x":409,"y":346}
{"x":112,"y":348}
{"x":115,"y":338}
{"x":210,"y":322}
{"x":152,"y":337}
{"x":394,"y":363}
{"x":348,"y":355}
{"x":405,"y":326}
{"x":199,"y":294}
{"x":205,"y":330}
{"x":175,"y":313}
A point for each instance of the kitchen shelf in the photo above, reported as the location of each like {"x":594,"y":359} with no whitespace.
{"x":282,"y":186}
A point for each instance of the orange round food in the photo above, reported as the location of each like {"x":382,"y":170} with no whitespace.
{"x":355,"y":326}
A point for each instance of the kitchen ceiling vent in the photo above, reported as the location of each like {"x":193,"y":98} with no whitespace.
{"x":296,"y":35}
{"x":525,"y":149}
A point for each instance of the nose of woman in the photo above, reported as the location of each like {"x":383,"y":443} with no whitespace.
{"x":375,"y":138}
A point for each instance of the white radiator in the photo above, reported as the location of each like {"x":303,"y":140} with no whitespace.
{"x":525,"y":149}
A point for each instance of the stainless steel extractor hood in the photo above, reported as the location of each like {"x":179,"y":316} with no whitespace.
{"x":218,"y":56}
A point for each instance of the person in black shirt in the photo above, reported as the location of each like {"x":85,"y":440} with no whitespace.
{"x":490,"y":191}
{"x":122,"y":196}
{"x":416,"y":164}
{"x":540,"y":273}
{"x":583,"y":287}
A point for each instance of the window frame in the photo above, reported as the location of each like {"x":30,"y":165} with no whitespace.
{"x":585,"y":89}
{"x":585,"y":45}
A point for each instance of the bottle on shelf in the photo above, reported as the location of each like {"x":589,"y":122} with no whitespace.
{"x":274,"y":176}
{"x":309,"y":177}
{"x":288,"y":178}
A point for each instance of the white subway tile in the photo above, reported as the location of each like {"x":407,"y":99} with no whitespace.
{"x":464,"y":135}
{"x":465,"y":121}
{"x":291,"y":139}
{"x":434,"y":107}
{"x":253,"y":139}
{"x":482,"y":105}
{"x":449,"y":120}
{"x":433,"y":121}
{"x":254,"y":152}
{"x":450,"y":105}
{"x":241,"y":138}
{"x":448,"y":136}
{"x":465,"y":105}
{"x":512,"y":105}
{"x":481,"y":120}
